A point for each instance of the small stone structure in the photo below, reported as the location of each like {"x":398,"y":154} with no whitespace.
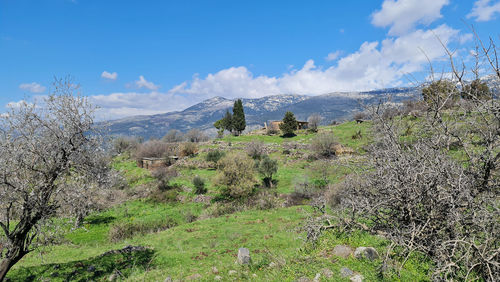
{"x":154,"y":163}
{"x":274,"y":125}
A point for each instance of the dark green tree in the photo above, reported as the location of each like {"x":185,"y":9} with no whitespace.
{"x":220,"y":128}
{"x":239,"y":123}
{"x":476,"y":90}
{"x":439,"y":92}
{"x":289,"y":125}
{"x":267,"y":168}
{"x":225,"y":123}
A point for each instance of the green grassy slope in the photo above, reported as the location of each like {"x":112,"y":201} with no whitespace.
{"x":189,"y":248}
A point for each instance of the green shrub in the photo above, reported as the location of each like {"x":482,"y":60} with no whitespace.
{"x":236,"y":175}
{"x":190,"y":217}
{"x":168,"y":195}
{"x":124,"y":230}
{"x":267,"y":168}
{"x":214,"y":156}
{"x":199,"y":185}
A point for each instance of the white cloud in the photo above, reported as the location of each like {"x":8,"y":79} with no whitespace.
{"x":374,"y":65}
{"x":18,"y":104}
{"x":484,"y":10}
{"x":32,"y":87}
{"x":117,"y":105}
{"x":333,"y":56}
{"x":403,"y":15}
{"x":108,"y":75}
{"x":143,"y":83}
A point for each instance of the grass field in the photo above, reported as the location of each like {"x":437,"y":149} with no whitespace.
{"x":182,"y":249}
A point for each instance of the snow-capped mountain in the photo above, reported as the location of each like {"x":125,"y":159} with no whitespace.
{"x":332,"y":106}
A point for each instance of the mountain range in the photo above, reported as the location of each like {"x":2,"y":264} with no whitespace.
{"x":332,"y":107}
{"x":336,"y":106}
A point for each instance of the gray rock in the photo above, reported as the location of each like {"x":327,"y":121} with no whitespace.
{"x":195,"y":276}
{"x":114,"y":276}
{"x":91,"y":268}
{"x":317,"y":277}
{"x":327,"y":272}
{"x":272,"y":264}
{"x":303,"y":279}
{"x":366,"y":252}
{"x":342,"y":251}
{"x":243,"y":256}
{"x":357,"y":278}
{"x":218,"y":277}
{"x":346,"y":272}
{"x":232,"y":272}
{"x":215,"y":270}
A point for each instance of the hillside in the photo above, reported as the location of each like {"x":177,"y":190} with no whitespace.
{"x":332,"y":106}
{"x":193,"y":239}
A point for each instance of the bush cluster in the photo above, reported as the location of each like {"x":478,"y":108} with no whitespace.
{"x":125,"y":230}
{"x":199,"y":185}
{"x":324,"y":144}
{"x":236,"y":175}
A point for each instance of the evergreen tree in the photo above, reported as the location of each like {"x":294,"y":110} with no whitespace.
{"x":239,"y":122}
{"x":227,"y":121}
{"x":476,"y":90}
{"x":289,"y":124}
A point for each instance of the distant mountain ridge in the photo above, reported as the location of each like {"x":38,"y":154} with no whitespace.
{"x":331,"y":106}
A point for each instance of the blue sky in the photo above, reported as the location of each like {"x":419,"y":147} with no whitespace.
{"x":147,"y":57}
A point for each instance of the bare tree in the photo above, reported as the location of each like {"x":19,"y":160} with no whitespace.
{"x":436,"y":190}
{"x":48,"y":153}
{"x":314,"y":120}
{"x":195,"y":135}
{"x":173,"y":136}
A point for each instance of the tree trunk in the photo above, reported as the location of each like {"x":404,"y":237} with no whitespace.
{"x":6,"y":265}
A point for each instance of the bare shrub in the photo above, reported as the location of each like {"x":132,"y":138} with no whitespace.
{"x":425,"y":198}
{"x":188,"y":149}
{"x":256,"y":149}
{"x":314,"y":120}
{"x":236,"y":175}
{"x":195,"y":135}
{"x":173,"y":136}
{"x":154,"y":149}
{"x":122,"y":144}
{"x":323,"y":144}
{"x":360,"y":116}
{"x":164,"y":175}
{"x":414,"y":108}
{"x":49,"y":152}
{"x":264,"y":200}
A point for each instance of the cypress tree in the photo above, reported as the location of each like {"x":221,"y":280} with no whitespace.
{"x":239,"y":122}
{"x":227,"y":121}
{"x":289,"y":124}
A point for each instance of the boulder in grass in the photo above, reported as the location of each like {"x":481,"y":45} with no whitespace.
{"x":342,"y":251}
{"x":366,"y":252}
{"x":244,"y":256}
